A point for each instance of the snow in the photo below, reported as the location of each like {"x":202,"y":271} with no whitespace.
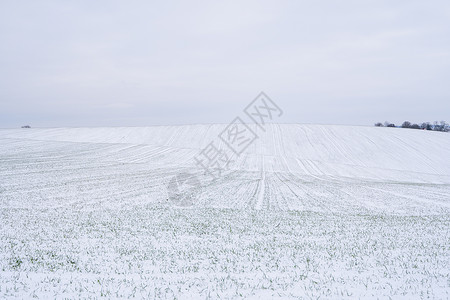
{"x":307,"y":211}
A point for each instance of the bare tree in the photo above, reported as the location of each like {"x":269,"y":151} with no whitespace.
{"x":444,"y":126}
{"x":436,"y":126}
{"x":379,"y":124}
{"x":406,"y":124}
{"x":426,"y":126}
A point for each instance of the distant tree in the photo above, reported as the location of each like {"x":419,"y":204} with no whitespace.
{"x":406,"y":124}
{"x":415,"y":126}
{"x":386,"y":123}
{"x":426,"y":126}
{"x":436,"y":126}
{"x":26,"y":126}
{"x":391,"y":125}
{"x":444,"y":126}
{"x":379,"y":124}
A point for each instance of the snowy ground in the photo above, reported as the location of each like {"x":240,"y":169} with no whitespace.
{"x":307,"y":211}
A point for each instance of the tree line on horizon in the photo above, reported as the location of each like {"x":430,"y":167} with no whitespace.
{"x":436,"y":126}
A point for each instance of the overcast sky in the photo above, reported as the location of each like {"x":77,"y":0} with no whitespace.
{"x":138,"y":63}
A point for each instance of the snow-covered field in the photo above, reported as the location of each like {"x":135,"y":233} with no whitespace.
{"x":308,"y":211}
